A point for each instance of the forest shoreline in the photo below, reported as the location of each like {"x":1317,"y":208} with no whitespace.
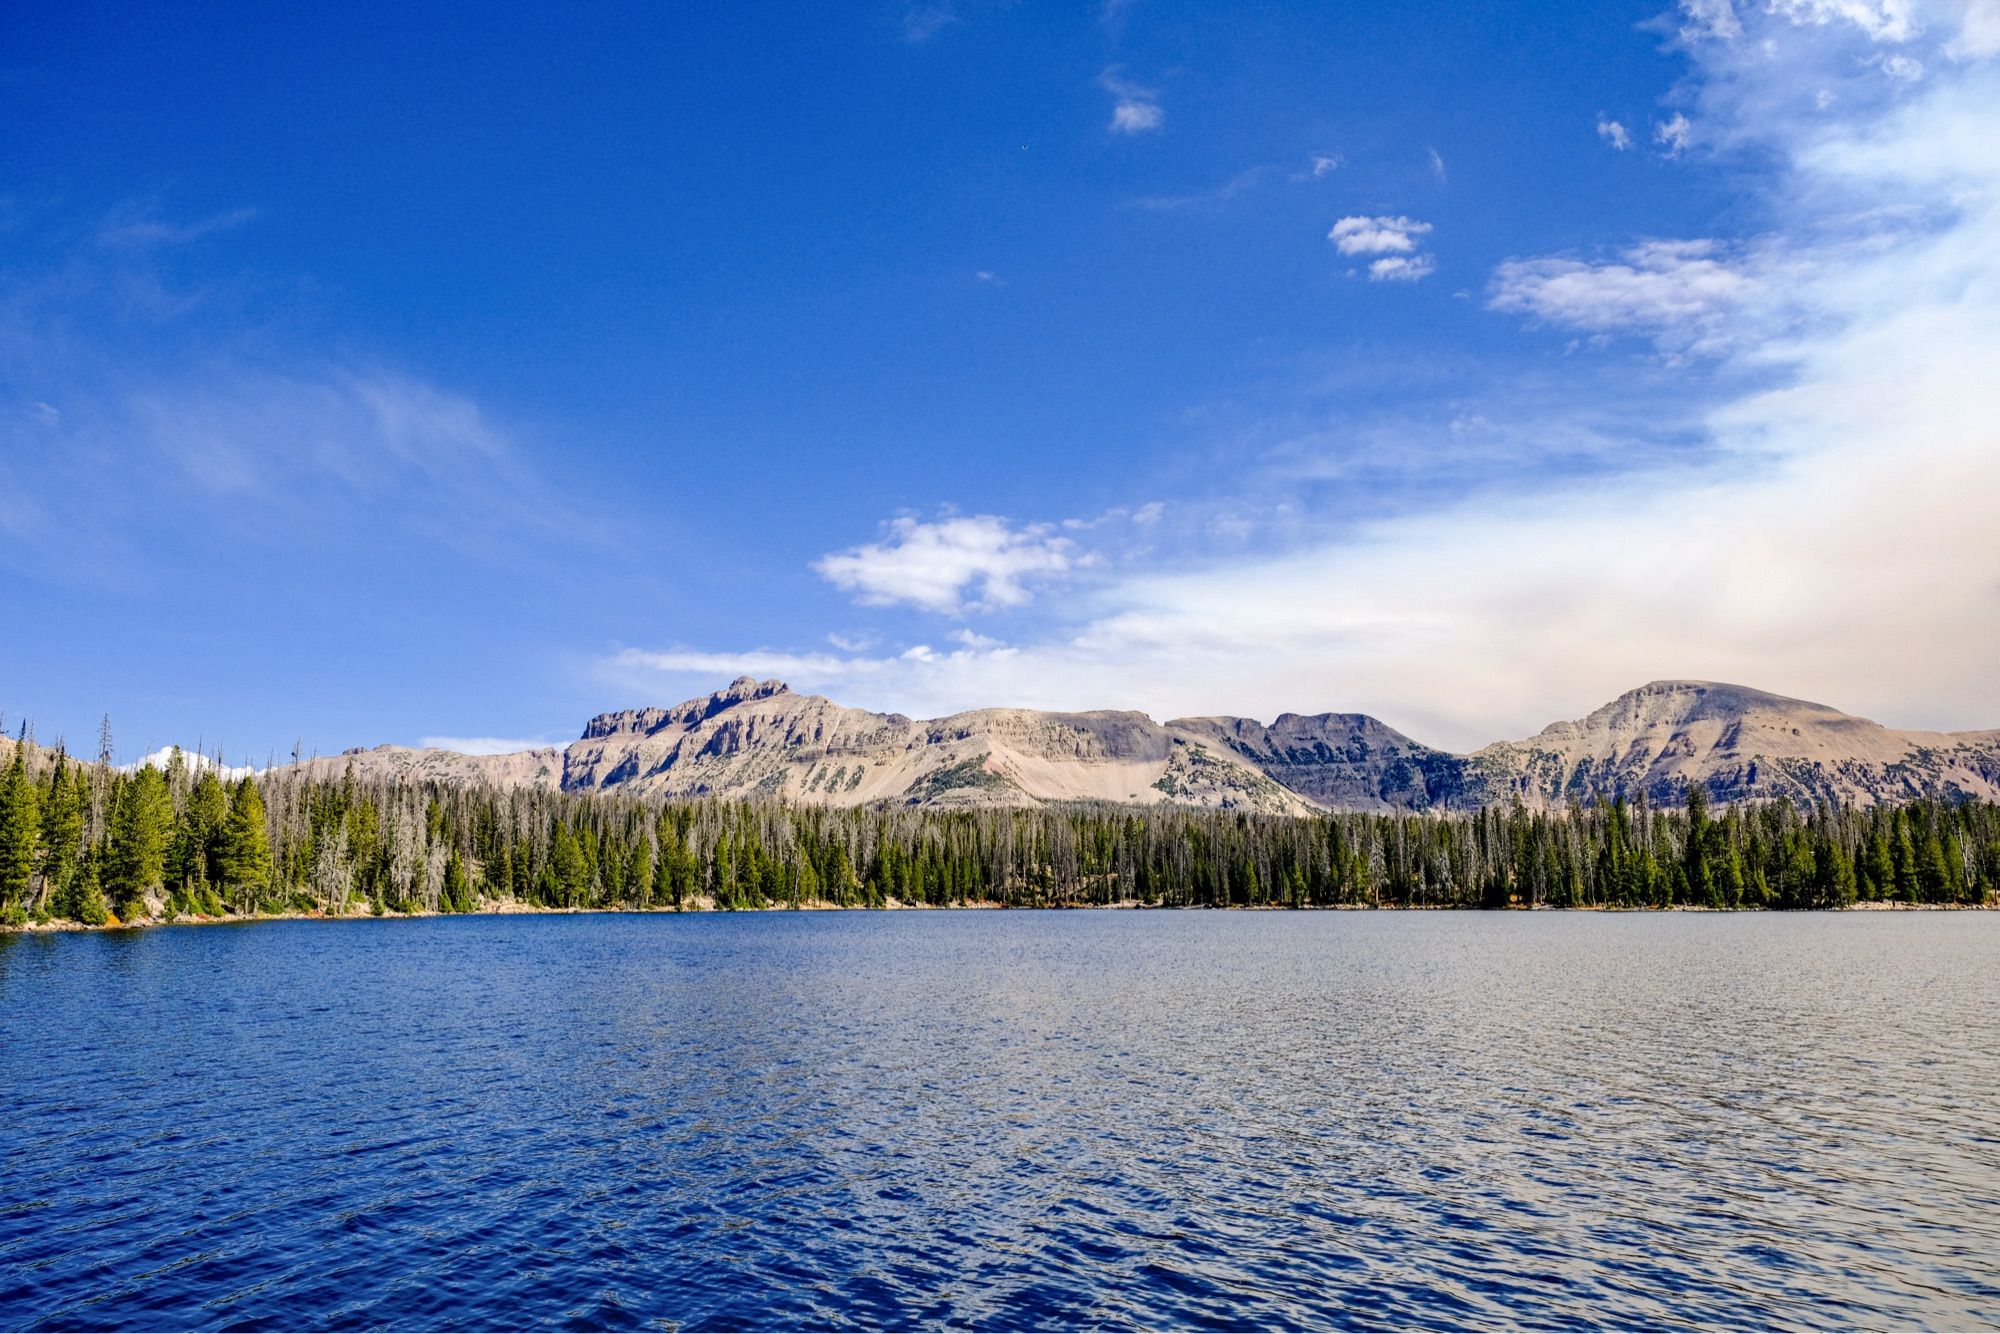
{"x":61,"y":926}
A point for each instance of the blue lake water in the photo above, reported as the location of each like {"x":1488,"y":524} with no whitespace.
{"x":1108,"y":1119}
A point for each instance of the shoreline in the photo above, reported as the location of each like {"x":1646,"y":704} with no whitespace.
{"x":516,"y":909}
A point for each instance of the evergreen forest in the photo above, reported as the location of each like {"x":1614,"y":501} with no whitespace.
{"x":86,"y":843}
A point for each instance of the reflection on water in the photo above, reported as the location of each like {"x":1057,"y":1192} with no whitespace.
{"x":1005,"y":1120}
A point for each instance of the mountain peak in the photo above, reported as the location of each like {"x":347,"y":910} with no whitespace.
{"x":1677,"y":703}
{"x":644,"y":722}
{"x":749,"y":687}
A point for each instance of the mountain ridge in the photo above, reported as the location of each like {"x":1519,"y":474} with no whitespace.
{"x":761,"y":739}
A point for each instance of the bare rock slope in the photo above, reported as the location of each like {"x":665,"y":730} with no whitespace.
{"x":1741,"y":744}
{"x":759,"y":739}
{"x":522,"y":768}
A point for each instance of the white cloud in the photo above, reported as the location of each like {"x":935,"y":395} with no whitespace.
{"x":1978,"y":34}
{"x":195,"y":760}
{"x":1613,"y":133}
{"x":1136,"y":117}
{"x":1437,"y":164}
{"x":1377,"y":236}
{"x":1401,"y":268}
{"x":1676,"y":292}
{"x":1135,"y":109}
{"x":1882,"y":20}
{"x":487,"y":745}
{"x":1324,"y":164}
{"x":1710,"y":18}
{"x":1396,"y":239}
{"x":1673,"y":135}
{"x":954,"y":564}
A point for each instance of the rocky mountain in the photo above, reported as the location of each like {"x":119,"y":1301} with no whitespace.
{"x":759,"y":739}
{"x":1345,"y":761}
{"x":541,"y":768}
{"x":1742,"y":744}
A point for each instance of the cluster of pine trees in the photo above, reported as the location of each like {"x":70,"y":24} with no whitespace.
{"x":87,"y":843}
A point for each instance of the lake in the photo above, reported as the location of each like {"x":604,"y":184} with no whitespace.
{"x":1005,"y":1119}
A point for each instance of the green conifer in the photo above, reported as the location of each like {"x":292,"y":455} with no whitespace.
{"x":20,"y":832}
{"x":140,"y":823}
{"x":245,"y":860}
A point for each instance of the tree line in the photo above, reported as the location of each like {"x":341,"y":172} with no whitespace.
{"x":88,"y":843}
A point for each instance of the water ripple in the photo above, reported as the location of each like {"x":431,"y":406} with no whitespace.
{"x":1004,"y":1121}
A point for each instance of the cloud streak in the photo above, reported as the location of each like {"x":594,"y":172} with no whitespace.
{"x":148,"y":402}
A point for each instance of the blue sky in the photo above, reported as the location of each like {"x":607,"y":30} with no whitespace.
{"x":368,"y":375}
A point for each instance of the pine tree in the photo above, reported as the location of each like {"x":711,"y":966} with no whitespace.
{"x":198,"y":839}
{"x":245,"y":859}
{"x":88,"y":904}
{"x":570,"y":871}
{"x":1903,"y":856}
{"x":62,"y":830}
{"x":457,"y":896}
{"x":1699,"y":859}
{"x":140,"y":822}
{"x":20,"y":832}
{"x":1878,"y":872}
{"x":639,"y":873}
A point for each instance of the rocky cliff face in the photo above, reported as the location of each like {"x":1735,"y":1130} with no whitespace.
{"x":1346,"y":761}
{"x":759,"y":739}
{"x":1742,"y":744}
{"x":522,"y":768}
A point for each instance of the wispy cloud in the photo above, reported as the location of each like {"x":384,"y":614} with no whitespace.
{"x":1401,"y":268}
{"x":1221,"y":194}
{"x":1135,"y":109}
{"x":921,"y":22}
{"x":140,"y":224}
{"x":1437,"y":164}
{"x":1882,"y":20}
{"x":1710,"y":18}
{"x":1673,"y":135}
{"x":154,"y":399}
{"x":1679,"y":293}
{"x":1613,"y":133}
